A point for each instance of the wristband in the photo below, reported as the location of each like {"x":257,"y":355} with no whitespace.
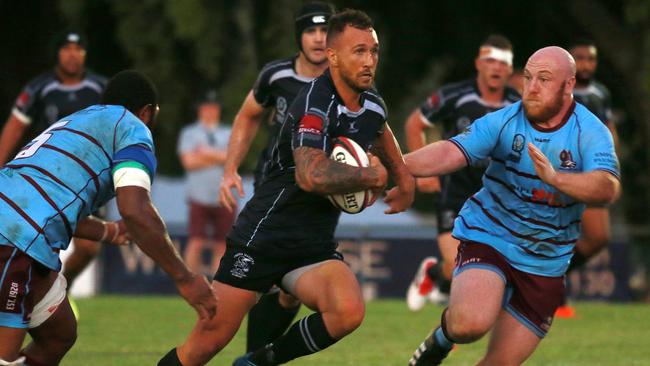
{"x":105,"y":234}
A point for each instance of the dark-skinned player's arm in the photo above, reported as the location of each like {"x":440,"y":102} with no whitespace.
{"x":317,"y":173}
{"x":12,"y":134}
{"x":387,"y":149}
{"x":93,"y":228}
{"x":244,"y":129}
{"x":149,"y":232}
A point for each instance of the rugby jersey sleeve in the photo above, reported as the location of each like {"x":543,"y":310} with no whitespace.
{"x":308,"y":118}
{"x":597,"y":149}
{"x":436,"y":107}
{"x":25,"y":105}
{"x":133,"y":147}
{"x":479,"y":139}
{"x":262,"y":91}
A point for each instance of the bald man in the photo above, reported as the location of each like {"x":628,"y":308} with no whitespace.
{"x":550,"y":157}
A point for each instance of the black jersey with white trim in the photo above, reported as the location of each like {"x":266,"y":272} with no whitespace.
{"x":280,"y":213}
{"x":455,"y":106}
{"x":276,"y":87}
{"x":597,"y":98}
{"x":45,"y":100}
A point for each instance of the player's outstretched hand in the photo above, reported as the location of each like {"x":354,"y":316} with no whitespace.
{"x":196,"y":290}
{"x":399,"y":199}
{"x":543,"y":166}
{"x":226,"y":198}
{"x":428,"y":184}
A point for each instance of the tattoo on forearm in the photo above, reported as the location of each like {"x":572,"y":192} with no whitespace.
{"x":327,"y":176}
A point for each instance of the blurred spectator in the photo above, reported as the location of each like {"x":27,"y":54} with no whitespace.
{"x":202,"y":150}
{"x":67,"y":88}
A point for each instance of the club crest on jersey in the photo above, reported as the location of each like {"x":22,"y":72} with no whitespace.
{"x":281,"y":105}
{"x":518,"y":143}
{"x":566,"y":159}
{"x":462,"y":123}
{"x":242,"y":265}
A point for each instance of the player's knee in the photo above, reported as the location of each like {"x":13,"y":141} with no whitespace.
{"x":349,"y":315}
{"x":465,"y":329}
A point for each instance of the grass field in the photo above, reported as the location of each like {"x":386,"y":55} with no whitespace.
{"x":138,"y":330}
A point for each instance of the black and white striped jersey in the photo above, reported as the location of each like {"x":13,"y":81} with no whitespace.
{"x":45,"y":100}
{"x":597,"y":98}
{"x":280,"y":212}
{"x":276,"y":87}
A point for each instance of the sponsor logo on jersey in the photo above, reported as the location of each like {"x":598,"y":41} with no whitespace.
{"x":311,"y":124}
{"x":352,"y":128}
{"x":567,"y":160}
{"x":518,"y":143}
{"x":242,"y":266}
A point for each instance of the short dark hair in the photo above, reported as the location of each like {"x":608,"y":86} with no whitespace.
{"x":131,"y":89}
{"x":497,"y":41}
{"x":352,"y":17}
{"x":582,"y":42}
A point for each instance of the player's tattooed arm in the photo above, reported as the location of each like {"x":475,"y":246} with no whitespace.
{"x":388,"y":150}
{"x":315,"y":172}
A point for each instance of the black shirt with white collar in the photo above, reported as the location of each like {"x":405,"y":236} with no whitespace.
{"x":280,"y":214}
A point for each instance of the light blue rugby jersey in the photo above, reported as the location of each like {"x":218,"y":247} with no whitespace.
{"x":529,"y":222}
{"x":64,"y":175}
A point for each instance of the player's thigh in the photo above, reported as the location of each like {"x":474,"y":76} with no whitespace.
{"x":448,"y":246}
{"x":328,"y":285}
{"x":511,"y":343}
{"x":476,"y":298}
{"x":23,"y":283}
{"x":595,"y":225}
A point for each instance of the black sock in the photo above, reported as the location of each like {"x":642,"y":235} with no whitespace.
{"x":435,"y":272}
{"x":305,"y":337}
{"x":170,"y":359}
{"x":577,"y":261}
{"x":444,"y":285}
{"x":267,"y":321}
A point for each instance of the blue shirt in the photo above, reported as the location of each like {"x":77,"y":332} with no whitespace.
{"x":532,"y":224}
{"x":203,"y":184}
{"x":64,"y":175}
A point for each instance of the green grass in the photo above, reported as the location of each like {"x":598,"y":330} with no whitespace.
{"x":139,"y":330}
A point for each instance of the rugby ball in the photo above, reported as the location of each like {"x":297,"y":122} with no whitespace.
{"x":347,"y":151}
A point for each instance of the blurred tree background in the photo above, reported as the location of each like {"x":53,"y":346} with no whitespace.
{"x":190,"y":45}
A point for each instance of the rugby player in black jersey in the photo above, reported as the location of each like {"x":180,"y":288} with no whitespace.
{"x":285,"y":234}
{"x":454,"y":107}
{"x":67,"y":88}
{"x":275,"y":89}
